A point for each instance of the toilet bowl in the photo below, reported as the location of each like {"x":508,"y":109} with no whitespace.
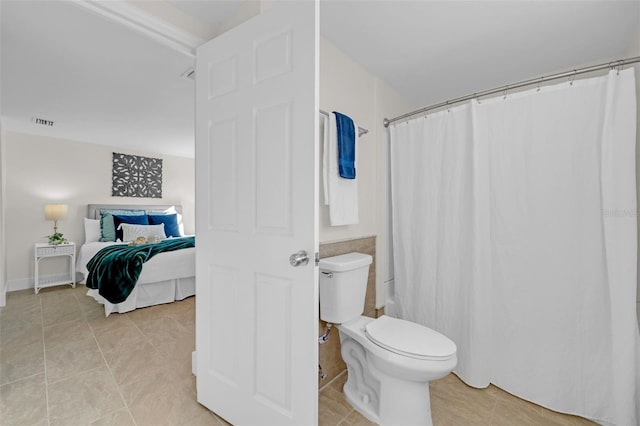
{"x":389,"y":361}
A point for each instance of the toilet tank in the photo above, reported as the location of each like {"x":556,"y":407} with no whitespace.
{"x":343,"y":286}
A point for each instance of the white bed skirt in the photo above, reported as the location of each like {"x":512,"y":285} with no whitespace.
{"x":165,"y":278}
{"x":149,"y":294}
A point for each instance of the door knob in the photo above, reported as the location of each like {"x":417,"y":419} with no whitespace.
{"x":300,"y":258}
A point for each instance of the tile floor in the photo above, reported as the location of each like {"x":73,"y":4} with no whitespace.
{"x":63,"y":363}
{"x":453,"y":403}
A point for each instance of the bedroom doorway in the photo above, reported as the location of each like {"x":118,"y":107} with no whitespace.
{"x":257,"y":205}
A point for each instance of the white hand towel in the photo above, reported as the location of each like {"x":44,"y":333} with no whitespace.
{"x":340,"y":194}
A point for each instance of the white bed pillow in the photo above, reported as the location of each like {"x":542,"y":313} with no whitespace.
{"x":91,"y":230}
{"x":130,"y":232}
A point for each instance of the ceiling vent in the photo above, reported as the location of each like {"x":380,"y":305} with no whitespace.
{"x":42,"y":121}
{"x":189,"y":73}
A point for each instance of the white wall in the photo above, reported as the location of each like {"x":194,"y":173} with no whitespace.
{"x":40,"y":170}
{"x":3,"y":269}
{"x":632,"y":51}
{"x":347,"y":87}
{"x":3,"y":263}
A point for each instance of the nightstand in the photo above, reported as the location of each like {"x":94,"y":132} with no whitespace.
{"x":47,"y":251}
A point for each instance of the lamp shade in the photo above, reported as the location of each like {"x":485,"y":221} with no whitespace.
{"x":55,"y":211}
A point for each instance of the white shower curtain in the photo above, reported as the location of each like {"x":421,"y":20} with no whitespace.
{"x":514,"y":226}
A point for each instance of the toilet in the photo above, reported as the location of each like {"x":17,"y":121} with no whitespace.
{"x":389,"y":361}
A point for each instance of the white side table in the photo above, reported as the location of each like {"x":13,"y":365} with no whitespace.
{"x":46,"y":251}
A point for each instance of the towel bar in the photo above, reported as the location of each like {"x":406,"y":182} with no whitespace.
{"x":361,"y":131}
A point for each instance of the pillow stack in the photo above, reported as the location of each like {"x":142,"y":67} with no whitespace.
{"x":127,"y":225}
{"x":118,"y":220}
{"x":107,"y":224}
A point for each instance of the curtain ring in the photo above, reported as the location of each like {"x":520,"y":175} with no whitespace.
{"x":506,"y":88}
{"x":573,"y":76}
{"x":539,"y":83}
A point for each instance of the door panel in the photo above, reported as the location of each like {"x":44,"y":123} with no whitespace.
{"x":273,"y":183}
{"x":223,"y":146}
{"x":256,"y":204}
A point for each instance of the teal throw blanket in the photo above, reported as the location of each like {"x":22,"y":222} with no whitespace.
{"x":115,"y":269}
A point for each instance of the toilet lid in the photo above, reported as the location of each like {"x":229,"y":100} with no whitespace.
{"x":409,"y":339}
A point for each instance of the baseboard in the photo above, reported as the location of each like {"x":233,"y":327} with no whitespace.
{"x":27,"y":283}
{"x":19,"y":284}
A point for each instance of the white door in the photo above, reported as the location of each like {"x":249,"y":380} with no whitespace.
{"x":256,"y":204}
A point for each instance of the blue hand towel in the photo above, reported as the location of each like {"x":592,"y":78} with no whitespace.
{"x":346,"y":146}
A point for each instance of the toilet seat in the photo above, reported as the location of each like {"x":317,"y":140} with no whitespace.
{"x":409,"y":339}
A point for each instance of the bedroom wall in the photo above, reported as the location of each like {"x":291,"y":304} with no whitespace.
{"x":3,"y":270}
{"x":3,"y":264}
{"x":347,"y":87}
{"x":40,"y":170}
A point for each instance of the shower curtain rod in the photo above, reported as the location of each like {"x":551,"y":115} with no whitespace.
{"x":503,"y":89}
{"x":361,"y":131}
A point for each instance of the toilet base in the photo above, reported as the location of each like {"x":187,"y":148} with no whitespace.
{"x":404,"y":404}
{"x":382,"y":386}
{"x":362,"y":407}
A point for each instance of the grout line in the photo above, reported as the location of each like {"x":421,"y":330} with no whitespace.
{"x":187,"y":330}
{"x":23,"y":378}
{"x":124,"y":401}
{"x":326,"y":385}
{"x":145,"y":336}
{"x":44,"y":363}
{"x":493,"y":410}
{"x":342,"y":421}
{"x":61,"y":323}
{"x":69,"y":376}
{"x":157,"y":349}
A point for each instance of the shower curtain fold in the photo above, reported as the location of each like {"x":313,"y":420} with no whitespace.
{"x":510,"y":237}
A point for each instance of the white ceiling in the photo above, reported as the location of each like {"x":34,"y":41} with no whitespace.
{"x":214,"y":15}
{"x":432,"y":51}
{"x":99,"y":81}
{"x":105,"y":83}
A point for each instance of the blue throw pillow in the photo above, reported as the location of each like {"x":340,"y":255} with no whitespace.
{"x":134,"y":220}
{"x":107,"y":228}
{"x":170,"y":221}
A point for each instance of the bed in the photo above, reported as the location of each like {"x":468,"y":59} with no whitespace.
{"x":165,"y":278}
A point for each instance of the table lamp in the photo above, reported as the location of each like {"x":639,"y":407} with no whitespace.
{"x":55,"y":212}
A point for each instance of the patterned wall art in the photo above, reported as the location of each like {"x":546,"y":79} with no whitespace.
{"x":136,"y":176}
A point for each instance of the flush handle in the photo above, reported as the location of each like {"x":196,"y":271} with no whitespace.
{"x":300,"y":258}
